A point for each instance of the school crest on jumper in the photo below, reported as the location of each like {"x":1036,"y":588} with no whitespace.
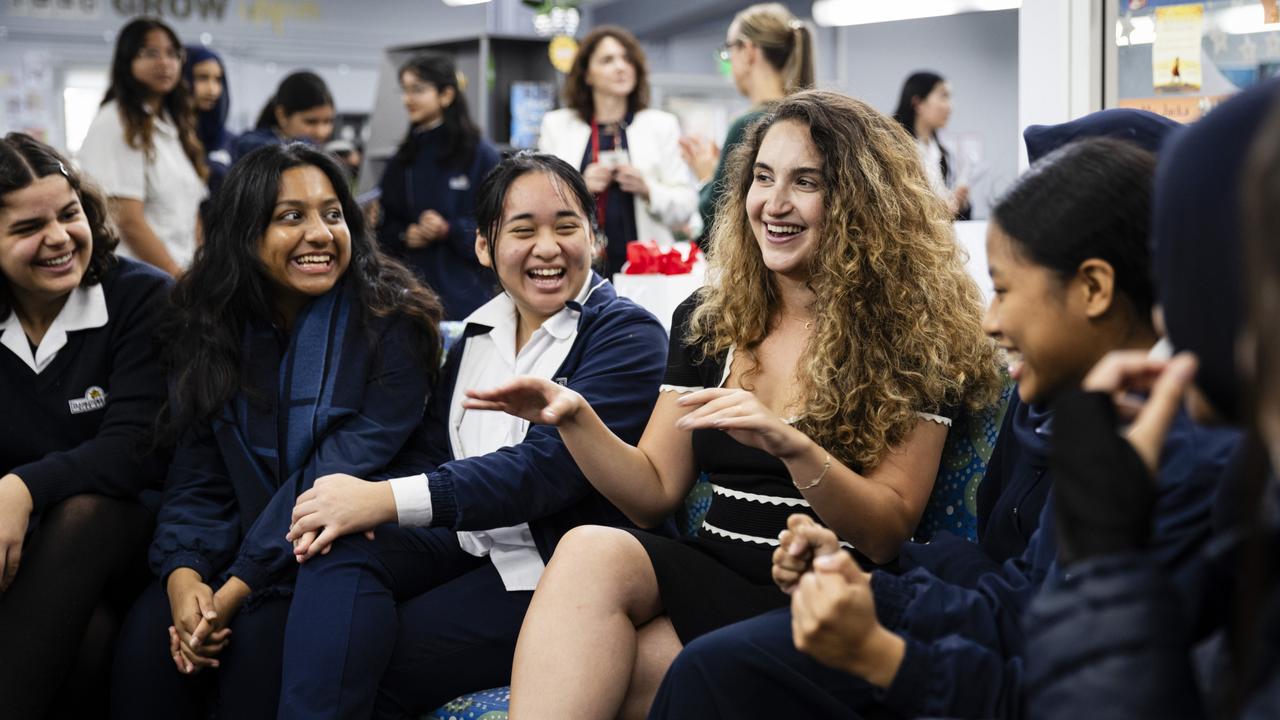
{"x":95,"y":398}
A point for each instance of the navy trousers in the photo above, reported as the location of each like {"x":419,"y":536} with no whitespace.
{"x":146,"y":684}
{"x":396,"y":627}
{"x":752,"y":669}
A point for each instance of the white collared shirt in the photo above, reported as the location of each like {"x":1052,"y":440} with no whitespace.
{"x":931,"y":157}
{"x":487,"y":360}
{"x":86,"y":308}
{"x":167,"y":183}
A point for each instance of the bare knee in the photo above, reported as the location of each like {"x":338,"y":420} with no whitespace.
{"x":609,"y":563}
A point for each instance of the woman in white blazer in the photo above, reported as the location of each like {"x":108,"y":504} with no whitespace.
{"x":628,"y":154}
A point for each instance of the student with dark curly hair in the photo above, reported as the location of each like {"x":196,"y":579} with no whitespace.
{"x":294,"y":349}
{"x":80,"y":386}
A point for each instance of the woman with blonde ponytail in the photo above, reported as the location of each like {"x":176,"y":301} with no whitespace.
{"x":770,"y":52}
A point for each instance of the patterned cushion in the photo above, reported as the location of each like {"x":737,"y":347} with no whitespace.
{"x":953,"y":504}
{"x":483,"y":705}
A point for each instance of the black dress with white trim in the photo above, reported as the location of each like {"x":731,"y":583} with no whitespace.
{"x":722,"y":575}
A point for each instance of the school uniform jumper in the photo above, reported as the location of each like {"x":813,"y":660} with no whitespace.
{"x":449,"y":265}
{"x":964,"y":644}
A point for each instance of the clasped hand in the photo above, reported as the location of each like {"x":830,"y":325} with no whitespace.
{"x":833,"y":614}
{"x":741,"y":414}
{"x":200,"y":619}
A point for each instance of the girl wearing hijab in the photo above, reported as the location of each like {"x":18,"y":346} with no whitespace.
{"x":206,"y":78}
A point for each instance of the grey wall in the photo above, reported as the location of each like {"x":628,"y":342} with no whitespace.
{"x":976,"y":52}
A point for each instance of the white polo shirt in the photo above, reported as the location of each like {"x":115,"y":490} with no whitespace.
{"x":167,"y":184}
{"x":86,"y":308}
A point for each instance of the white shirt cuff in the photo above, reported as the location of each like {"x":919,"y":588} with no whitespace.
{"x":413,"y":500}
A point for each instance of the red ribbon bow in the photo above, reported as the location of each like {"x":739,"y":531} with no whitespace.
{"x":644,"y":257}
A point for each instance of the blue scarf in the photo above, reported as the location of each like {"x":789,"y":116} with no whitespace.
{"x":299,"y":384}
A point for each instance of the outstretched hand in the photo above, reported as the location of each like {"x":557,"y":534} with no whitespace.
{"x":535,"y":399}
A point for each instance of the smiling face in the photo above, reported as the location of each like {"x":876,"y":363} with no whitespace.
{"x":158,"y":64}
{"x":206,"y":84}
{"x":543,"y":250}
{"x":1035,"y":316}
{"x":785,"y":201}
{"x":45,"y":240}
{"x":424,"y":102}
{"x":306,"y":247}
{"x":609,"y":70}
{"x":314,"y":124}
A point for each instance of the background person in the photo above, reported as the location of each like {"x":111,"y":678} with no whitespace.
{"x":628,"y":153}
{"x":143,"y":148}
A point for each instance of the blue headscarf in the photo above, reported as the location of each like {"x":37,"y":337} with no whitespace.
{"x":211,"y":126}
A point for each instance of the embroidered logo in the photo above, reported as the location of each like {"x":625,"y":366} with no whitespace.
{"x":459,"y":182}
{"x":95,"y":398}
{"x":562,"y":381}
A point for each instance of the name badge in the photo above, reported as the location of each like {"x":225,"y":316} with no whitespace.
{"x":459,"y":182}
{"x":95,"y":398}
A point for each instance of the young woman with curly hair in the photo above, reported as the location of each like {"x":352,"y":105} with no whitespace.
{"x":295,"y":349}
{"x":817,"y":373}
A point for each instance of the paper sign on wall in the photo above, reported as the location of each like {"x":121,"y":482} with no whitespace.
{"x":1175,"y":54}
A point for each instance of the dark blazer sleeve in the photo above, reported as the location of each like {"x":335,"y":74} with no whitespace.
{"x":117,"y":461}
{"x":621,"y":366}
{"x":199,"y":522}
{"x":363,"y":444}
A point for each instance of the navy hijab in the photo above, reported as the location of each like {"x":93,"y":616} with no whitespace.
{"x":211,"y":126}
{"x":1144,"y":129}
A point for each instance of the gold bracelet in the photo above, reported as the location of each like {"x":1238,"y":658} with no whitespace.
{"x":826,"y":465}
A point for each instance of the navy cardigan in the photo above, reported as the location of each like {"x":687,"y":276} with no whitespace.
{"x":448,"y":266}
{"x":616,"y":363}
{"x":965,"y":644}
{"x":221,"y":521}
{"x":60,"y":449}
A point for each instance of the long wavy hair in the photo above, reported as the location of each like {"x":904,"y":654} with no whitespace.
{"x":227,"y":286}
{"x":898,"y":321}
{"x":24,"y":160}
{"x":130,"y":96}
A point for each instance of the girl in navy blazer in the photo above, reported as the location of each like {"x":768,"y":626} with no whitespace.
{"x":430,"y":184}
{"x":431,"y":609}
{"x":80,"y":386}
{"x":295,"y":349}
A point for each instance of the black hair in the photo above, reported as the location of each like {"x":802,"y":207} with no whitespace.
{"x":917,"y":86}
{"x":491,"y":198}
{"x":298,"y":92}
{"x":227,"y":287}
{"x":23,"y":160}
{"x":460,"y":136}
{"x":1088,"y":199}
{"x":130,"y":95}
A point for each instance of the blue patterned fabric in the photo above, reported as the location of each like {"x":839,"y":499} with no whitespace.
{"x":953,"y":503}
{"x":483,"y":705}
